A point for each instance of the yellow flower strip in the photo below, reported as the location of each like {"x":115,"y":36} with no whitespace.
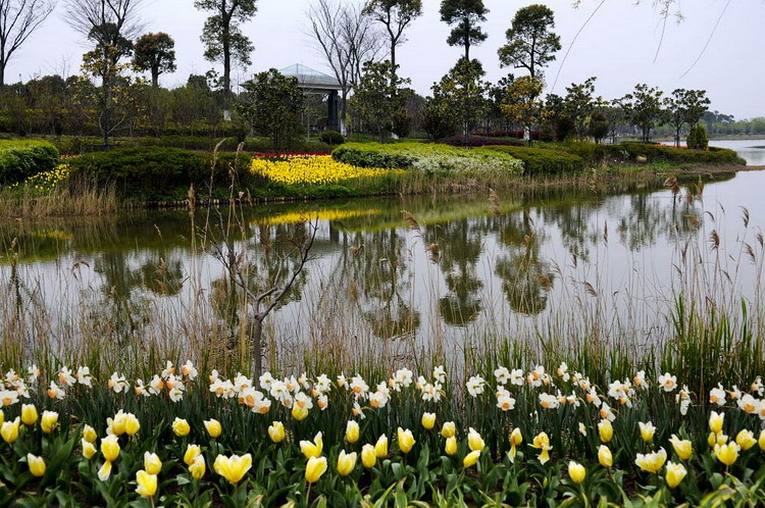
{"x":320,"y":169}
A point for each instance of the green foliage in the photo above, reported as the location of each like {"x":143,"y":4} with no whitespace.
{"x":459,"y":95}
{"x":599,"y":127}
{"x":697,"y":138}
{"x":531,"y":44}
{"x":372,"y":155}
{"x":272,"y":103}
{"x":379,"y":97}
{"x":522,"y":103}
{"x":331,"y":138}
{"x":643,"y":108}
{"x":465,"y":16}
{"x":396,"y":16}
{"x":579,"y":104}
{"x":157,"y":173}
{"x":155,"y":53}
{"x":21,"y":159}
{"x":542,"y":161}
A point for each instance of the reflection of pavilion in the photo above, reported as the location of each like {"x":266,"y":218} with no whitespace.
{"x":313,"y":82}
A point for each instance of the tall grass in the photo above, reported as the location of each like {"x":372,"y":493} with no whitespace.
{"x":81,"y":200}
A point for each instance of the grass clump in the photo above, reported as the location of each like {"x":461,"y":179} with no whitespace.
{"x":20,"y":159}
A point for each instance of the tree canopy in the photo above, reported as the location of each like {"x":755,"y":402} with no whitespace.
{"x":155,"y":53}
{"x":531,"y":43}
{"x":465,"y":16}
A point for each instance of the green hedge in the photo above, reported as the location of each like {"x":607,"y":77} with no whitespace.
{"x":429,"y":158}
{"x":159,"y":173}
{"x":538,"y":161}
{"x":20,"y":159}
{"x":631,"y":150}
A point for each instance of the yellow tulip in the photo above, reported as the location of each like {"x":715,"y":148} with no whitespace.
{"x":276,"y":432}
{"x":450,"y":447}
{"x":132,"y":425}
{"x":105,"y":471}
{"x":49,"y":421}
{"x":118,"y":423}
{"x":716,"y":421}
{"x":471,"y":458}
{"x":716,"y":439}
{"x":89,"y":434}
{"x":10,"y":430}
{"x":315,"y":468}
{"x":181,"y":427}
{"x":147,"y":483}
{"x":110,"y":448}
{"x":745,"y":439}
{"x":314,"y":449}
{"x":761,"y":440}
{"x":647,"y":430}
{"x":475,"y":441}
{"x":605,"y":457}
{"x":213,"y":427}
{"x":233,"y":468}
{"x":299,"y":413}
{"x":368,"y":456}
{"x":405,"y":440}
{"x":727,"y":453}
{"x":88,"y":449}
{"x":576,"y":471}
{"x":542,"y":442}
{"x":2,"y":417}
{"x":198,"y":467}
{"x":352,"y":431}
{"x":516,"y":438}
{"x":192,"y":452}
{"x":651,"y":462}
{"x":605,"y":430}
{"x":28,"y":414}
{"x":345,"y":463}
{"x":151,"y":463}
{"x":675,"y":474}
{"x":381,"y":447}
{"x":683,"y":447}
{"x":36,"y":465}
{"x":448,"y":429}
{"x":428,"y":420}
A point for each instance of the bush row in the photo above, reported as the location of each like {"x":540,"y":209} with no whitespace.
{"x":154,"y":173}
{"x":426,"y":157}
{"x":472,"y":141}
{"x":20,"y":159}
{"x":540,"y":161}
{"x":631,"y":150}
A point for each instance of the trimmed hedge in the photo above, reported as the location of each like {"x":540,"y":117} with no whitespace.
{"x":539,"y":161}
{"x":20,"y":159}
{"x":372,"y":155}
{"x":158,"y":173}
{"x":472,"y":141}
{"x":653,"y":153}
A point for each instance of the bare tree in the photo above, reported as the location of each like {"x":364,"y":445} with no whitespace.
{"x":18,"y":20}
{"x":347,"y":38}
{"x":87,"y":15}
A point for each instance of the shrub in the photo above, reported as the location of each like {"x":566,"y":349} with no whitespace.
{"x":697,"y":138}
{"x":679,"y":155}
{"x":154,"y":172}
{"x":537,"y":161}
{"x":20,"y":159}
{"x":472,"y":141}
{"x":535,"y":135}
{"x":371,"y":155}
{"x":331,"y":138}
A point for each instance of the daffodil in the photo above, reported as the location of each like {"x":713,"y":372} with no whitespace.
{"x":315,"y":468}
{"x":36,"y":465}
{"x":346,"y":462}
{"x":576,"y":472}
{"x":276,"y":432}
{"x":651,"y":462}
{"x":405,"y":440}
{"x":675,"y":474}
{"x":312,"y":449}
{"x":146,"y":483}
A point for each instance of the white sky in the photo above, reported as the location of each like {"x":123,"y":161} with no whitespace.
{"x":618,"y":46}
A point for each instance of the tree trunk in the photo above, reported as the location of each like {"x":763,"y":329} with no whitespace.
{"x":257,"y":344}
{"x":2,"y":74}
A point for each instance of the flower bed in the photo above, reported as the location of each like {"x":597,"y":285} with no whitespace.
{"x":511,"y":437}
{"x":312,"y":170}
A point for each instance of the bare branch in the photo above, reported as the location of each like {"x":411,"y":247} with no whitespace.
{"x":19,"y":19}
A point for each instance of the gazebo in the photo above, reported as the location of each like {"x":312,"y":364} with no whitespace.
{"x":313,"y":82}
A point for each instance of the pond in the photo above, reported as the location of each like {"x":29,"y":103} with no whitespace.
{"x":436,"y":271}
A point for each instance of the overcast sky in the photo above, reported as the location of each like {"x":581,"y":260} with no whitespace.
{"x":618,"y":46}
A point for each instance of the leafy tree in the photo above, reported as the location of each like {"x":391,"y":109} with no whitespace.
{"x":154,"y":52}
{"x":379,"y":98}
{"x":19,"y":19}
{"x":685,"y":107}
{"x":465,"y":15}
{"x":556,"y":118}
{"x":643,"y":108}
{"x":615,"y":115}
{"x":223,"y":38}
{"x":396,"y":16}
{"x":522,"y":104}
{"x":462,"y":92}
{"x":438,"y":120}
{"x":579,"y":103}
{"x":697,"y":138}
{"x":598,"y":127}
{"x":496,"y":94}
{"x":531,"y":44}
{"x":273,"y":104}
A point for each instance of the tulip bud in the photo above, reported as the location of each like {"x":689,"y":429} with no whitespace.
{"x":428,"y":420}
{"x":88,"y":449}
{"x":89,"y":434}
{"x":405,"y":440}
{"x":675,"y":474}
{"x":315,"y":468}
{"x":132,"y":425}
{"x":727,"y":453}
{"x":381,"y":447}
{"x":605,"y":457}
{"x":299,"y":413}
{"x":471,"y":458}
{"x":475,"y":441}
{"x":151,"y":463}
{"x":105,"y":471}
{"x":198,"y":467}
{"x":146,"y":483}
{"x":181,"y":427}
{"x":761,"y":440}
{"x":745,"y":439}
{"x":192,"y":452}
{"x":10,"y":430}
{"x":368,"y":456}
{"x":28,"y":414}
{"x":312,"y":449}
{"x":110,"y":448}
{"x":683,"y":447}
{"x":647,"y":430}
{"x":605,"y":430}
{"x":448,"y":429}
{"x":716,"y":421}
{"x":346,"y":463}
{"x":352,"y":431}
{"x":49,"y":421}
{"x":276,"y":432}
{"x":451,"y":445}
{"x":576,"y":471}
{"x":213,"y":428}
{"x":36,"y":465}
